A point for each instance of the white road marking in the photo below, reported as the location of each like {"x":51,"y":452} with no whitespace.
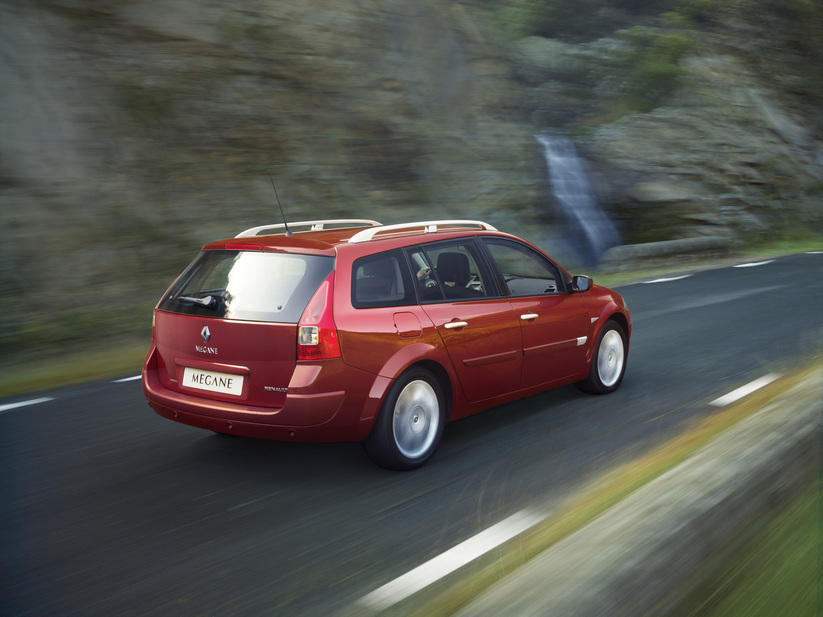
{"x":34,"y":401}
{"x":814,"y":252}
{"x":433,"y":570}
{"x":755,"y":264}
{"x":666,"y":280}
{"x":125,"y":379}
{"x":736,"y":395}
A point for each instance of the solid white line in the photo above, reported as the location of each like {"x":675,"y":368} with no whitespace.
{"x":814,"y":252}
{"x":125,"y":379}
{"x":755,"y":264}
{"x":674,"y":278}
{"x":401,"y":588}
{"x":34,"y":401}
{"x":738,"y":394}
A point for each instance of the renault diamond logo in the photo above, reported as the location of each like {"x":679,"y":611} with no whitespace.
{"x":205,"y":334}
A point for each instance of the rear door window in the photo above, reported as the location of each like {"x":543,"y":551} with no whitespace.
{"x":248,"y":285}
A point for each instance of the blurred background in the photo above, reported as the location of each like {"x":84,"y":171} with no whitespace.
{"x":132,"y":132}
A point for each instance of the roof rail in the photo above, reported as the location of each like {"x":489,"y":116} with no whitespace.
{"x":312,"y":226}
{"x":428,"y":227}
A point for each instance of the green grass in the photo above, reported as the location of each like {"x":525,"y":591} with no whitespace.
{"x":770,"y":249}
{"x":777,"y":572}
{"x":63,"y":369}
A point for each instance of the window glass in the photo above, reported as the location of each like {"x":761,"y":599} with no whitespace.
{"x":248,"y":285}
{"x":525,"y":272}
{"x":452,"y":274}
{"x":381,"y":280}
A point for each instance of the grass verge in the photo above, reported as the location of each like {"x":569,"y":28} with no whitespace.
{"x":686,"y":265}
{"x":446,"y":598}
{"x":65,"y":369}
{"x":777,"y":571}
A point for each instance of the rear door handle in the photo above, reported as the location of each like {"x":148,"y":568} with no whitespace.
{"x":528,"y":316}
{"x":455,"y":324}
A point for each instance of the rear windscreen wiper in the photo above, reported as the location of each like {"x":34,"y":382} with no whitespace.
{"x":207,"y":302}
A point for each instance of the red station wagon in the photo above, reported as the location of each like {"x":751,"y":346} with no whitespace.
{"x":349,"y":330}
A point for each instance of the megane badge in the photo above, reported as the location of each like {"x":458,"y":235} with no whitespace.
{"x":205,"y":334}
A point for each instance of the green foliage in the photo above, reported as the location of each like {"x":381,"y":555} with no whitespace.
{"x":776,"y":573}
{"x":696,"y":10}
{"x":656,"y":70}
{"x":551,"y":18}
{"x":588,"y":19}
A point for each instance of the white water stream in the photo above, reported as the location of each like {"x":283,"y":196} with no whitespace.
{"x":587,"y":228}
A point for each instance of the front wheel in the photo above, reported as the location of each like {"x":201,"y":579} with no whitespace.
{"x":410,"y":423}
{"x":608,"y":361}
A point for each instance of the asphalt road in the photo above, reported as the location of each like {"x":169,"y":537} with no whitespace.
{"x":107,"y":509}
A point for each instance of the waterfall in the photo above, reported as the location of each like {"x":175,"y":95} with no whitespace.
{"x":587,"y":228}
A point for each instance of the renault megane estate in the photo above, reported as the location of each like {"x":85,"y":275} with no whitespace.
{"x":348,"y":330}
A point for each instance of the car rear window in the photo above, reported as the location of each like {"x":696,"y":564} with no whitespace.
{"x":248,"y":285}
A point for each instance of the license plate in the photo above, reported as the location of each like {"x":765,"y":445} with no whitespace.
{"x":212,"y":381}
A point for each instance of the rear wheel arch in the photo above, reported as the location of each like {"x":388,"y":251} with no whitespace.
{"x":412,"y":417}
{"x":439,"y":372}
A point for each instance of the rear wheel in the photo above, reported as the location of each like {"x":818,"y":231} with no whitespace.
{"x":410,"y":423}
{"x":608,"y":362}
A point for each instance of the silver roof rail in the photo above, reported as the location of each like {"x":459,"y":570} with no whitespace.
{"x":312,"y":226}
{"x":428,"y":227}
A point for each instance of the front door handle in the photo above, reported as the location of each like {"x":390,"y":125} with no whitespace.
{"x":455,"y":324}
{"x":529,"y":316}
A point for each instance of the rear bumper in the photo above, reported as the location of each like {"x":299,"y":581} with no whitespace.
{"x":331,"y":411}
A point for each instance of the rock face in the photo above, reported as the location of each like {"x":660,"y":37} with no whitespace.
{"x":133,"y":132}
{"x":723,"y":159}
{"x":735,"y":150}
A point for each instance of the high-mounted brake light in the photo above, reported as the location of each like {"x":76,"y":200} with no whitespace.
{"x":244,"y":247}
{"x":316,"y":332}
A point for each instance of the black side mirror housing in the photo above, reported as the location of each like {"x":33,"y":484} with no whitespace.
{"x":582,"y":283}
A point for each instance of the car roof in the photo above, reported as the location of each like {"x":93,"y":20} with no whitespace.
{"x":323,"y":237}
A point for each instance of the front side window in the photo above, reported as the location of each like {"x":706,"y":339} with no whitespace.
{"x":525,"y":272}
{"x":248,"y":285}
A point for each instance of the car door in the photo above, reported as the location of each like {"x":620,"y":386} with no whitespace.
{"x":479,"y":328}
{"x":555,"y":323}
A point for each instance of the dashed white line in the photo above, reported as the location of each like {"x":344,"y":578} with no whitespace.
{"x":34,"y":401}
{"x":736,"y":395}
{"x":433,"y":570}
{"x":755,"y":264}
{"x":125,"y":379}
{"x":666,"y":280}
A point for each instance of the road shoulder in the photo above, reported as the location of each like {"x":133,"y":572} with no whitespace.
{"x":645,"y":554}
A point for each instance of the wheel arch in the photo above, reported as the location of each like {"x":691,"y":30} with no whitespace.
{"x":442,"y":376}
{"x":621,"y":319}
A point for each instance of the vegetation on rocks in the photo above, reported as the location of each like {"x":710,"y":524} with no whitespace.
{"x":132,"y":133}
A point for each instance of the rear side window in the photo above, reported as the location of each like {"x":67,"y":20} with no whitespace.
{"x":381,"y":280}
{"x":248,"y":285}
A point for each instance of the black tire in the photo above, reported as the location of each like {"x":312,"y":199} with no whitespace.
{"x":608,"y":361}
{"x":410,"y":424}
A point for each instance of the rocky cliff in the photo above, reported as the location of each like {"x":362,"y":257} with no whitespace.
{"x":133,"y":132}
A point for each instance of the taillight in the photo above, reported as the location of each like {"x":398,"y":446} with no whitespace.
{"x":316,"y":334}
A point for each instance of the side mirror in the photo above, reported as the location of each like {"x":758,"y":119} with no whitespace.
{"x":581,"y":283}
